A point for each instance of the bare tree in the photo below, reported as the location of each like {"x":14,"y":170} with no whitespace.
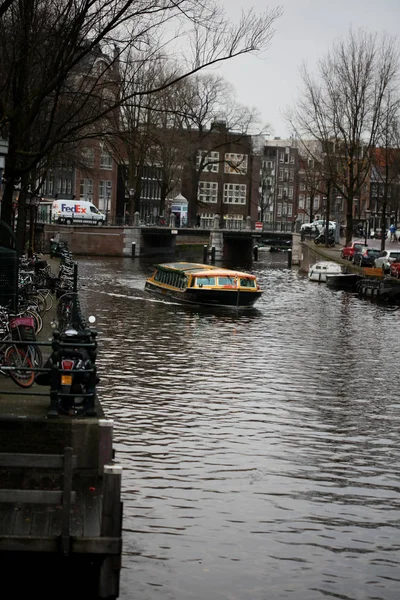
{"x":58,"y":58}
{"x":385,"y":163}
{"x":341,"y":108}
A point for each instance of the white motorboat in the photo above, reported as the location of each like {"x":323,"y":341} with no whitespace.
{"x":321,"y":269}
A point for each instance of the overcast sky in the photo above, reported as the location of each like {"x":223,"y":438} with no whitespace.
{"x":305,"y":32}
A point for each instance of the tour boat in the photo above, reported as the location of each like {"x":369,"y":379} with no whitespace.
{"x":321,"y":269}
{"x":207,"y":285}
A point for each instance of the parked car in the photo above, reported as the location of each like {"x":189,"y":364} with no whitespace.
{"x":366,"y":257}
{"x":376,"y":234}
{"x":385,"y":258}
{"x":352,"y":247}
{"x":395,"y":268}
{"x":316,"y":226}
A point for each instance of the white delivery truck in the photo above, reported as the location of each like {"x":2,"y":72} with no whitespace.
{"x":76,"y":211}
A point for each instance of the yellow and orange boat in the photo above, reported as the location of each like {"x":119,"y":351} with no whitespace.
{"x":206,"y":285}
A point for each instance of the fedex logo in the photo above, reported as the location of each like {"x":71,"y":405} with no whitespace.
{"x":76,"y":208}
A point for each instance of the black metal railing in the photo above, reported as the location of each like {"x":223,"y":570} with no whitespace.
{"x":165,"y":222}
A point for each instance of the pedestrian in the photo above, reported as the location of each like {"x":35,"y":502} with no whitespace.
{"x":392,"y":230}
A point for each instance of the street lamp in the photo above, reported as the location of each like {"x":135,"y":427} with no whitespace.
{"x":32,"y":201}
{"x":366,"y":230}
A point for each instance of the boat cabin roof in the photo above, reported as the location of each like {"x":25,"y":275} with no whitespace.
{"x":203,"y":270}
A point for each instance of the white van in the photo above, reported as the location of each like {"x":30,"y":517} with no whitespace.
{"x":76,"y":211}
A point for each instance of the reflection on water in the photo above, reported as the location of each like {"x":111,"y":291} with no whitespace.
{"x":260,"y":450}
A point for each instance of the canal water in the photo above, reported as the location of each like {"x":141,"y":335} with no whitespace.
{"x":261,"y":451}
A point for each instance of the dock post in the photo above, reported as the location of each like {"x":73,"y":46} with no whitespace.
{"x":289,"y":261}
{"x":105,"y":443}
{"x":111,"y":526}
{"x":255,"y":252}
{"x":205,"y":252}
{"x":133,"y":249}
{"x":213,"y":254}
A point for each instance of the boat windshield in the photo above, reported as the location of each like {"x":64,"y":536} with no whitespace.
{"x":245,"y":282}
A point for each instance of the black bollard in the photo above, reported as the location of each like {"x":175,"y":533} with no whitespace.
{"x":205,"y":252}
{"x":255,"y":252}
{"x":133,"y":249}
{"x":213,"y":254}
{"x":289,"y":259}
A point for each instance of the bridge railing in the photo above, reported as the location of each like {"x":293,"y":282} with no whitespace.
{"x":203,"y":223}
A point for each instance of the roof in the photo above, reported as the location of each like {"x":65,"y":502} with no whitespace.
{"x":204,"y":270}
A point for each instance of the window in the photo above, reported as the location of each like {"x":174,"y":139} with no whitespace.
{"x":233,"y":217}
{"x":234,"y":193}
{"x":86,"y":189}
{"x":290,"y":210}
{"x":236,"y":163}
{"x":281,"y":157}
{"x":280,"y":191}
{"x":302,"y":187}
{"x":50,"y":184}
{"x":279,"y":210}
{"x":88,"y":157}
{"x":301,"y":201}
{"x":210,"y":161}
{"x":316,"y":201}
{"x":291,"y":193}
{"x":280,"y":175}
{"x":227,"y":281}
{"x":292,"y":159}
{"x":104,"y":194}
{"x":244,"y":282}
{"x":200,"y":281}
{"x":208,"y":191}
{"x":291,"y":174}
{"x":105,"y":160}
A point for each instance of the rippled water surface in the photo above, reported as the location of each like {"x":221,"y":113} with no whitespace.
{"x":260,"y":450}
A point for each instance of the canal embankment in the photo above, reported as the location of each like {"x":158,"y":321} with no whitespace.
{"x":60,"y":485}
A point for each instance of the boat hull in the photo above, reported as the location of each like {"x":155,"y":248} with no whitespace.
{"x":322,"y":269}
{"x":208,"y":297}
{"x":343,"y":281}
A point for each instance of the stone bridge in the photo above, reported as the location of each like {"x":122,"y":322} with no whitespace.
{"x":138,"y":240}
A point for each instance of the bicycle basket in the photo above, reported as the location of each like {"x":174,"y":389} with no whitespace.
{"x":23,"y":329}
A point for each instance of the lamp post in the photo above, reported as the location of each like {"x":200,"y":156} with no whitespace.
{"x":32,"y":201}
{"x":107,"y":201}
{"x":366,"y":229}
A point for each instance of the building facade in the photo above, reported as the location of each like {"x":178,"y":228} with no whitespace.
{"x":279,"y":185}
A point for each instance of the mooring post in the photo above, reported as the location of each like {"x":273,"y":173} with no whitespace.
{"x":205,"y":252}
{"x":133,"y":249}
{"x":111,"y":525}
{"x":289,"y":259}
{"x":255,"y":252}
{"x":213,"y":254}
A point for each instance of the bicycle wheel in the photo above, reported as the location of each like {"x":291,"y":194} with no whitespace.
{"x":39,"y":301}
{"x":48,"y":298}
{"x":37,"y":319}
{"x":16,"y":358}
{"x":35,"y":356}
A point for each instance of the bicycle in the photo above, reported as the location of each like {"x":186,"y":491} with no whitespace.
{"x":15,"y":363}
